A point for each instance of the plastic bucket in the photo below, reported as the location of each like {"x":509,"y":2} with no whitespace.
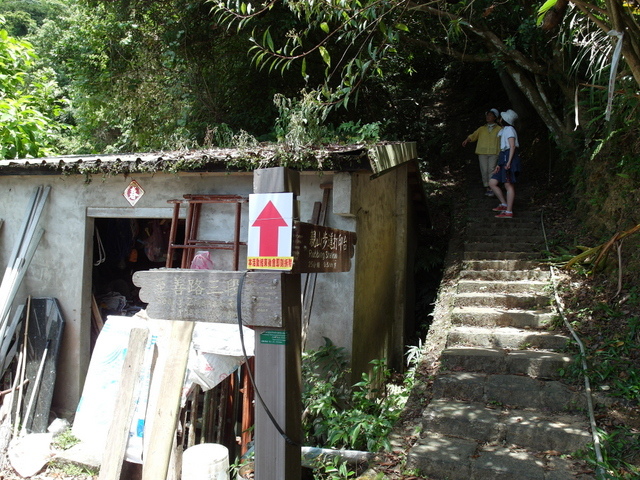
{"x":206,"y":461}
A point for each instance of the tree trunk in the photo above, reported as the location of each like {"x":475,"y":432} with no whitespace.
{"x":536,"y":97}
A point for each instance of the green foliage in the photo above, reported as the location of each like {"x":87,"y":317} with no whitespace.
{"x":66,"y":470}
{"x":342,"y":47}
{"x":301,"y":123}
{"x":121,"y":76}
{"x":65,"y":440}
{"x":616,"y":445}
{"x":152,"y":76}
{"x":605,"y":177}
{"x":609,"y":328}
{"x":335,"y":415}
{"x":614,"y":361}
{"x":344,"y":41}
{"x":613,"y":355}
{"x":332,"y":468}
{"x":28,"y":101}
{"x":354,"y":132}
{"x":24,"y":17}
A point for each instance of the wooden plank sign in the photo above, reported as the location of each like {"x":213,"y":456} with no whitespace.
{"x":118,"y":436}
{"x":211,"y":295}
{"x":319,"y":249}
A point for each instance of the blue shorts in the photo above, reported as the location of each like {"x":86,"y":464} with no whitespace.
{"x":507,"y":176}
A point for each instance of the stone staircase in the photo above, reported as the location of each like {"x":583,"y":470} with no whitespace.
{"x":499,"y":409}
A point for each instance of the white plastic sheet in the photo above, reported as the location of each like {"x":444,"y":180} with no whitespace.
{"x":215,"y":353}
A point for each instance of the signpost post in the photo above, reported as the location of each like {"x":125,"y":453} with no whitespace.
{"x":278,"y":428}
{"x":269,"y":302}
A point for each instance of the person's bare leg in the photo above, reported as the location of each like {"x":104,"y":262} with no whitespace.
{"x":493,"y":183}
{"x":511,"y":195}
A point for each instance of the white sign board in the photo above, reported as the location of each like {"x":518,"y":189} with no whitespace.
{"x":269,"y":244}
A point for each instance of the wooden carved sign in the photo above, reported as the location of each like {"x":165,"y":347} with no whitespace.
{"x":319,"y":249}
{"x":211,"y":295}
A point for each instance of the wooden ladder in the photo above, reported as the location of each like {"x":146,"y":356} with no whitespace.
{"x":191,"y":242}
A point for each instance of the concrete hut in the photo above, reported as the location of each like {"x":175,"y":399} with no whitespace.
{"x":99,"y":229}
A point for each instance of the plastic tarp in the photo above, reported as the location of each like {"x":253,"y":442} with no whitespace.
{"x":215,"y":353}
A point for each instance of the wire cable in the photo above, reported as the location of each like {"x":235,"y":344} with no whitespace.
{"x":246,"y":358}
{"x":583,"y":355}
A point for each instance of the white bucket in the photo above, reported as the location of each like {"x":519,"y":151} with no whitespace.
{"x":206,"y":461}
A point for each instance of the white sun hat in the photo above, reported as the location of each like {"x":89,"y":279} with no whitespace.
{"x":509,"y":116}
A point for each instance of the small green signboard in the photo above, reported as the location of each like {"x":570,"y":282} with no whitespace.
{"x":274,"y":337}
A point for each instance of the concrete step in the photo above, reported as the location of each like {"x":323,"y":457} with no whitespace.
{"x":516,"y":229}
{"x":516,"y":391}
{"x":505,"y":337}
{"x":502,"y":300}
{"x":491,"y":424}
{"x":472,"y":255}
{"x":498,"y":286}
{"x":497,"y":361}
{"x":513,"y":244}
{"x":441,"y":457}
{"x":507,"y":265}
{"x":487,"y":206}
{"x":488,"y":316}
{"x":530,"y":219}
{"x":505,"y":275}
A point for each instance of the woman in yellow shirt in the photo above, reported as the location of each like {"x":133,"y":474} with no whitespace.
{"x":487,"y":147}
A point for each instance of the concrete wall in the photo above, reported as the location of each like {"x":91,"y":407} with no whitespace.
{"x":62,"y":265}
{"x":332,"y":307}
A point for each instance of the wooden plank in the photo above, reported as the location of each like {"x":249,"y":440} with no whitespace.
{"x":164,"y":415}
{"x":23,"y":367}
{"x":392,"y":155}
{"x":118,"y":435}
{"x":278,"y":366}
{"x":247,"y":406}
{"x":96,"y":316}
{"x":192,"y":412}
{"x":318,"y":218}
{"x":210,"y":295}
{"x":320,"y":249}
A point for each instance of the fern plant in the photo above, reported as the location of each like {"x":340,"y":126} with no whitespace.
{"x":336,"y":415}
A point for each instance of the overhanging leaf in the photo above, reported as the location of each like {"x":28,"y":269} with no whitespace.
{"x":546,"y":6}
{"x":325,"y":55}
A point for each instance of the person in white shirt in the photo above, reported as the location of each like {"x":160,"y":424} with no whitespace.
{"x":509,"y":165}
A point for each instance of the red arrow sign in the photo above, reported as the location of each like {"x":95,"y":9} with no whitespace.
{"x":269,"y":221}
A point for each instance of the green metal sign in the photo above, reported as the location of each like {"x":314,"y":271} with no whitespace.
{"x":274,"y":337}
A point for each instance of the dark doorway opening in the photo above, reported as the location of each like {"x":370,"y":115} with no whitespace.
{"x":121,"y":247}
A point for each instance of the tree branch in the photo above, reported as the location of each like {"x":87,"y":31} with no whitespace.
{"x":535,"y":94}
{"x":489,"y":37}
{"x":458,"y":55}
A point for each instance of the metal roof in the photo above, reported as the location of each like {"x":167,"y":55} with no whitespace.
{"x":329,"y":157}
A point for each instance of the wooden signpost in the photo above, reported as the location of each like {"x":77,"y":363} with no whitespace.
{"x":269,"y":302}
{"x":319,"y":249}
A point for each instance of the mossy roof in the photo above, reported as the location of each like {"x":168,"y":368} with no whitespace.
{"x":374,"y":158}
